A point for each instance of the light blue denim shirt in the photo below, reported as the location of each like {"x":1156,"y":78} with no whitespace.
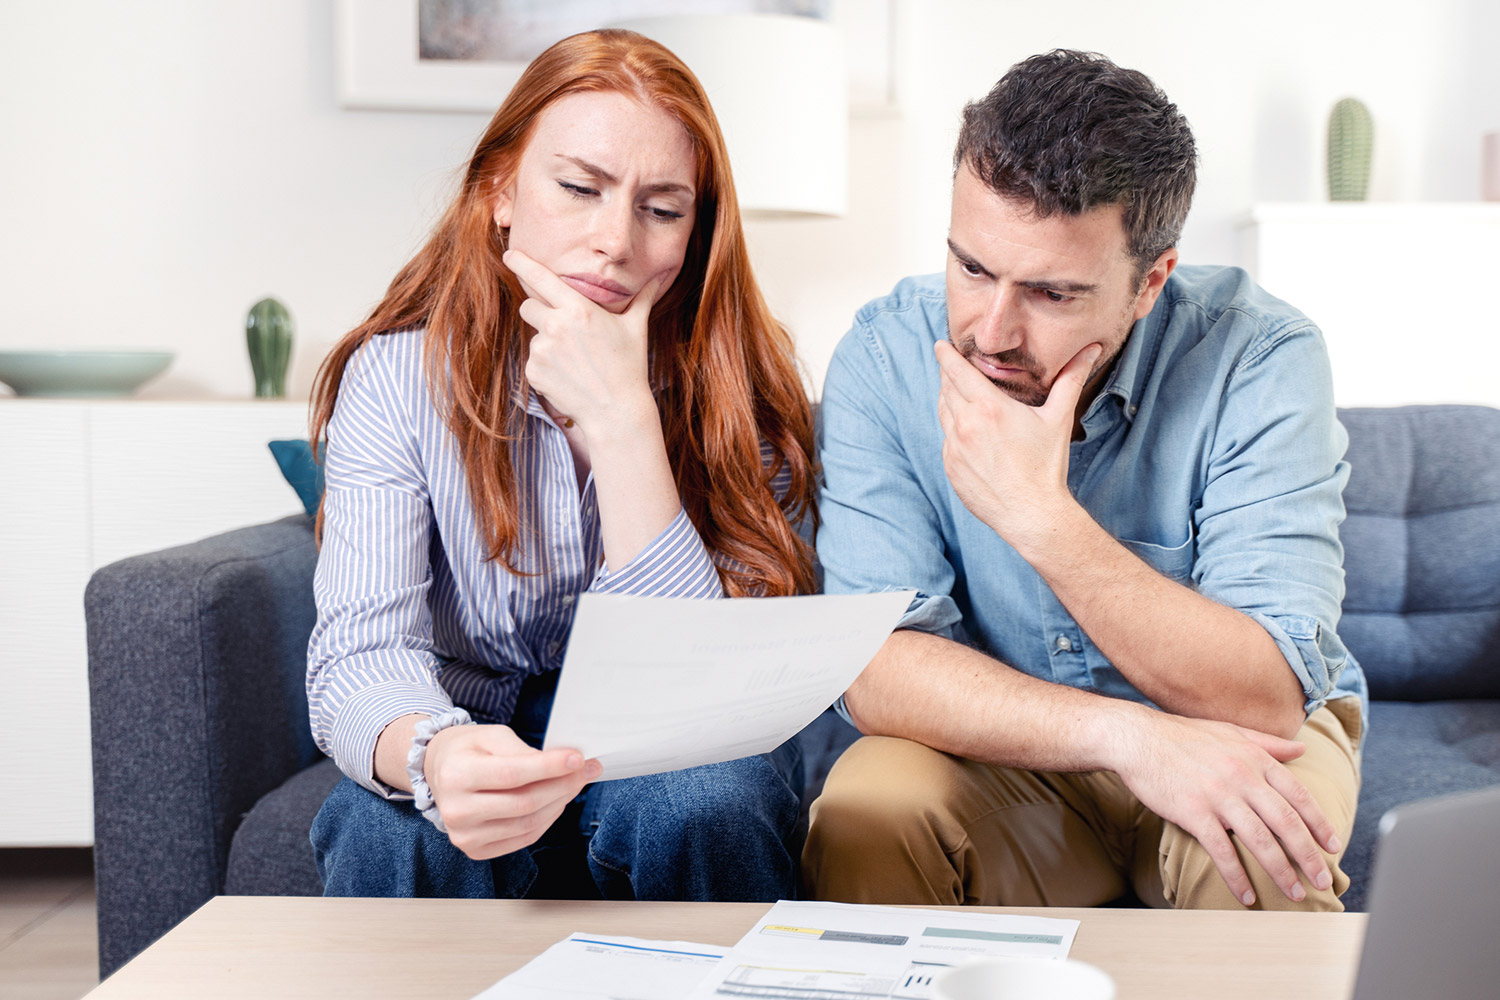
{"x":1212,"y":452}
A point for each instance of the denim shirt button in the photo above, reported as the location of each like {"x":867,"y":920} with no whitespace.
{"x":1064,"y":643}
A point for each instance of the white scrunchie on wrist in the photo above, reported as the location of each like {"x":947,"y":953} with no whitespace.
{"x":416,"y":761}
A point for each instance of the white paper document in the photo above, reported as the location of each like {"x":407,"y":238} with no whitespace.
{"x":599,"y":967}
{"x":841,"y":951}
{"x":653,"y":684}
{"x":797,"y":951}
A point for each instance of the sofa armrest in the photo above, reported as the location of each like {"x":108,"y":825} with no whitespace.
{"x":197,"y":657}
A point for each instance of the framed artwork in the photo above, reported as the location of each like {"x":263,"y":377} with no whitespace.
{"x":464,"y":55}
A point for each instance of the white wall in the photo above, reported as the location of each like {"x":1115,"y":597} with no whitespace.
{"x":164,"y":164}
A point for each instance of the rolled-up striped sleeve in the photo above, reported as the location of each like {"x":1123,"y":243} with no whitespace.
{"x":371,"y":658}
{"x":675,"y":564}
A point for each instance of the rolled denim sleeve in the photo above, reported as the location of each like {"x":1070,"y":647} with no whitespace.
{"x":1268,"y":519}
{"x":880,"y":530}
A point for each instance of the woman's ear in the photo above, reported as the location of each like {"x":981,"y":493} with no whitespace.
{"x":505,"y":200}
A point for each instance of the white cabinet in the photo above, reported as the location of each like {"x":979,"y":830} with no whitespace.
{"x":1405,"y":293}
{"x":82,"y":484}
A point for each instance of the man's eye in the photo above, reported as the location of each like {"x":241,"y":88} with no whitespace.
{"x":577,"y":190}
{"x":970,"y":268}
{"x":1056,"y":296}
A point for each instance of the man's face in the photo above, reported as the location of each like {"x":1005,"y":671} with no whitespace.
{"x":1025,"y":294}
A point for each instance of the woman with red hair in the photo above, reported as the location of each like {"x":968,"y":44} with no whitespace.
{"x":575,"y":386}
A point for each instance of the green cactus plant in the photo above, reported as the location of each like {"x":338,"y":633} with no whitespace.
{"x":268,"y":337}
{"x":1351,"y":143}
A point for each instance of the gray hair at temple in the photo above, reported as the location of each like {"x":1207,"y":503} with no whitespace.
{"x":1070,"y":131}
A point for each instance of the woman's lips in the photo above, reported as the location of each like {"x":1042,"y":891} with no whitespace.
{"x":597,"y":289}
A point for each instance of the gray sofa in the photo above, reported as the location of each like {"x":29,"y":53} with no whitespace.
{"x":206,"y":778}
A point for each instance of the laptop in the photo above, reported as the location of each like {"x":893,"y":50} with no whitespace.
{"x":1434,"y":924}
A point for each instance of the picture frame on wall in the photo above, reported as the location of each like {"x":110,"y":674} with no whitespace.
{"x":381,"y":67}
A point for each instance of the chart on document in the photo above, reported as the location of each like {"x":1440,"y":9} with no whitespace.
{"x":835,"y":951}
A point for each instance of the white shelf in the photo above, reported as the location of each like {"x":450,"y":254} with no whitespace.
{"x":89,"y":482}
{"x":1380,"y":213}
{"x":1402,"y":292}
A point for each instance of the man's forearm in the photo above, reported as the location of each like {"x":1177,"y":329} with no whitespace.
{"x":956,"y":699}
{"x":1189,"y":654}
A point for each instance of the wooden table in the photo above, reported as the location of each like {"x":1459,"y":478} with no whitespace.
{"x":283,"y":947}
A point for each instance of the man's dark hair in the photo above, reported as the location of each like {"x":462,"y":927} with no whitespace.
{"x":1070,"y":131}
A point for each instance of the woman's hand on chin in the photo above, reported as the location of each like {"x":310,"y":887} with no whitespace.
{"x":589,"y":363}
{"x":495,"y":793}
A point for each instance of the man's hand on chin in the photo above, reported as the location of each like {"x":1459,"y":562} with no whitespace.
{"x":1007,"y":461}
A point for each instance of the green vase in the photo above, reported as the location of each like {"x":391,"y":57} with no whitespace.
{"x":1351,"y":144}
{"x":268,"y":337}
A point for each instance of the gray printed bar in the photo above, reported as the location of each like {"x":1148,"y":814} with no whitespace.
{"x":895,"y":939}
{"x":953,"y":932}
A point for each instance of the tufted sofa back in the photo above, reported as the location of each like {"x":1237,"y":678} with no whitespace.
{"x":1422,"y":550}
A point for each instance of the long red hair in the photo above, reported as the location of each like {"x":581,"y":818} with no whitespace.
{"x":724,"y":367}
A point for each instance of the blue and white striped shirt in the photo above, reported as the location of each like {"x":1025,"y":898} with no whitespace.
{"x":412,"y":618}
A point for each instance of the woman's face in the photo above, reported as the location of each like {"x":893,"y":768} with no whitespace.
{"x":603,"y":196}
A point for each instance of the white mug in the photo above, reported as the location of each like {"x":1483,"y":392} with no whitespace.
{"x":1023,"y":979}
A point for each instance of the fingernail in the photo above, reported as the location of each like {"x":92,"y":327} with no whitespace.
{"x":1324,"y":880}
{"x":1298,"y":893}
{"x":1248,"y":898}
{"x":575,"y":761}
{"x":1334,"y":844}
{"x":595,"y":769}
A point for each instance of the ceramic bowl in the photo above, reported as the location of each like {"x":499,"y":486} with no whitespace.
{"x":80,"y":373}
{"x":1023,"y":979}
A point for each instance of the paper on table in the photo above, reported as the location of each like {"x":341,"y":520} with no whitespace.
{"x":855,"y":952}
{"x":599,"y":967}
{"x":655,"y":684}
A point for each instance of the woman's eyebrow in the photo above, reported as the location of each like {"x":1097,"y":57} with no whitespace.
{"x":594,"y":170}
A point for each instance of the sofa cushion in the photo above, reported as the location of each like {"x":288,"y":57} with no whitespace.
{"x":301,"y":470}
{"x":271,"y":854}
{"x":1413,"y":752}
{"x":1422,"y":550}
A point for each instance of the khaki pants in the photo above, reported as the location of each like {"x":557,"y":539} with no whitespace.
{"x":899,"y":822}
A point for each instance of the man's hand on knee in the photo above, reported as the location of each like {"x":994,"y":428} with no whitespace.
{"x":1213,"y":779}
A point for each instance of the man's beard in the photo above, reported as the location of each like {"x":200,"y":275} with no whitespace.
{"x":1028,"y":388}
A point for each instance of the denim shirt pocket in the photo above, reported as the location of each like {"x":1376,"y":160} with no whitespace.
{"x":1175,"y":562}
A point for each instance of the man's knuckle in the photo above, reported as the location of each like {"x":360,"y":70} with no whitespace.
{"x":1284,"y":816}
{"x":1259,"y":839}
{"x":1222,"y":851}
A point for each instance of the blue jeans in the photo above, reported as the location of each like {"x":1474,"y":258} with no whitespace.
{"x":719,"y":832}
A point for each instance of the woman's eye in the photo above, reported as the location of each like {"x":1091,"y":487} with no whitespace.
{"x":663,"y":214}
{"x":577,"y":190}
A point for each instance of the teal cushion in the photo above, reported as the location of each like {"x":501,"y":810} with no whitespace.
{"x":302,"y":470}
